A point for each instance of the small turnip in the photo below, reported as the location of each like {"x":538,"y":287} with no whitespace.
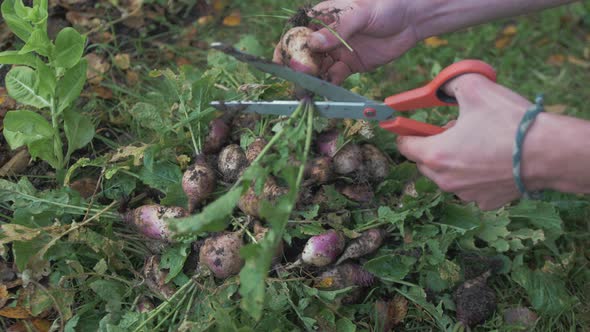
{"x":324,"y":249}
{"x":361,"y":192}
{"x":255,"y":148}
{"x":221,"y":254}
{"x":217,"y":136}
{"x":250,"y":202}
{"x":155,"y":277}
{"x":475,"y":301}
{"x":150,"y":220}
{"x":242,"y":123}
{"x":297,"y":54}
{"x":346,"y":275}
{"x":327,"y":143}
{"x":368,"y":242}
{"x":521,"y":317}
{"x":376,"y":162}
{"x":198,"y":182}
{"x":318,"y":171}
{"x":260,"y":233}
{"x":348,"y":159}
{"x":232,"y":160}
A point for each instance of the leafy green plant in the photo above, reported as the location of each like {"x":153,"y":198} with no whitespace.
{"x":49,"y":75}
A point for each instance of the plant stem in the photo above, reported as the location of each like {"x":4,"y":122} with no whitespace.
{"x":309,"y":110}
{"x":190,"y":128}
{"x":57,"y":142}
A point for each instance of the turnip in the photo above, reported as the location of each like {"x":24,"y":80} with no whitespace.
{"x":255,"y":148}
{"x":217,"y":136}
{"x":348,"y":159}
{"x":144,"y":305}
{"x":475,"y":300}
{"x":249,"y":202}
{"x":318,"y":171}
{"x":321,"y":250}
{"x":327,"y":143}
{"x":198,"y":182}
{"x":260,"y":233}
{"x":150,"y":220}
{"x":232,"y":160}
{"x":242,"y":123}
{"x":155,"y":277}
{"x":521,"y":317}
{"x":361,"y":192}
{"x":368,"y":242}
{"x":221,"y":254}
{"x":346,"y":275}
{"x":297,"y":54}
{"x":376,"y":163}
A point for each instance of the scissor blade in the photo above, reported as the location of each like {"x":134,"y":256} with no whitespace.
{"x":308,"y":82}
{"x":328,"y":109}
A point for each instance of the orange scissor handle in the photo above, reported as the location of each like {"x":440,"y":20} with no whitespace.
{"x":431,"y":95}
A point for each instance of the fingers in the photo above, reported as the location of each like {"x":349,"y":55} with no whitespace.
{"x":413,"y":147}
{"x":277,"y":56}
{"x":344,"y":21}
{"x":338,"y":72}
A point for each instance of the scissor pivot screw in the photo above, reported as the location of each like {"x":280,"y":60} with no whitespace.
{"x":370,"y":112}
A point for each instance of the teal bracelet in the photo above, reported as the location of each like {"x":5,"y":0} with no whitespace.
{"x":525,"y":124}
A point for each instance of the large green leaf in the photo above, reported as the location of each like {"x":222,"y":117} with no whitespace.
{"x":46,"y":78}
{"x":21,"y":28}
{"x":15,"y":58}
{"x":71,"y":84}
{"x":38,"y":42}
{"x":391,"y":268}
{"x":22,"y":85}
{"x":69,"y":46}
{"x":79,"y":131}
{"x":24,"y":127}
{"x":44,"y":149}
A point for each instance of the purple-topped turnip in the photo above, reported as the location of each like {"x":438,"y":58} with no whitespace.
{"x":368,"y":242}
{"x":221,"y":254}
{"x":150,"y":219}
{"x":198,"y":182}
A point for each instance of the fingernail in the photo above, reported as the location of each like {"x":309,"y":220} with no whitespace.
{"x":317,"y":40}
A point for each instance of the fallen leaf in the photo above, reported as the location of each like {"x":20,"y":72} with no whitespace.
{"x":578,"y":62}
{"x":204,"y":20}
{"x":39,"y":325}
{"x":84,"y":20}
{"x":102,"y":92}
{"x":3,"y":295}
{"x":502,"y":42}
{"x":125,"y":152}
{"x":555,"y":59}
{"x":85,"y":186}
{"x":182,"y":61}
{"x":101,"y":37}
{"x":7,"y":103}
{"x":42,"y":325}
{"x":16,"y":164}
{"x":390,"y":313}
{"x":509,"y":30}
{"x":557,"y":108}
{"x":132,"y":77}
{"x":133,"y":13}
{"x":122,"y":61}
{"x":219,"y":5}
{"x":97,"y":67}
{"x":234,"y":19}
{"x":435,"y":42}
{"x":15,"y":312}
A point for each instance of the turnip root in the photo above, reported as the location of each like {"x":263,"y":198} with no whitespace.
{"x":323,"y":249}
{"x":231,"y":162}
{"x":357,"y":192}
{"x":217,"y":136}
{"x":318,"y":171}
{"x":297,"y":54}
{"x":260,"y":233}
{"x":327,"y":143}
{"x":249,"y":203}
{"x":521,"y":317}
{"x":375,"y":162}
{"x":198,"y":182}
{"x":144,"y":305}
{"x":155,"y":277}
{"x":255,"y":148}
{"x":390,"y":313}
{"x":348,"y":159}
{"x":242,"y":123}
{"x":221,"y":254}
{"x":150,"y":219}
{"x":475,"y":300}
{"x":368,"y":242}
{"x":346,"y":275}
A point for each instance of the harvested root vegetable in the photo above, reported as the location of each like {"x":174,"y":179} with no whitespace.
{"x":260,"y":233}
{"x":376,"y":162}
{"x":520,"y":317}
{"x":150,"y":220}
{"x":242,"y":123}
{"x":318,"y":171}
{"x":323,"y":249}
{"x":144,"y":305}
{"x":368,"y":242}
{"x":155,"y":277}
{"x":343,"y":276}
{"x":198,"y":182}
{"x":348,"y":159}
{"x":217,"y":136}
{"x":297,"y":54}
{"x":221,"y":254}
{"x":232,"y":160}
{"x":358,"y":192}
{"x":475,"y":301}
{"x":390,"y":313}
{"x":249,"y":203}
{"x":327,"y":143}
{"x":255,"y":148}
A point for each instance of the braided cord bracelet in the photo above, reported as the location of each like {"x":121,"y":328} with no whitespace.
{"x":525,"y":124}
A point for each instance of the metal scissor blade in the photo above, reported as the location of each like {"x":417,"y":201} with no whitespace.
{"x":308,"y":82}
{"x":328,"y":109}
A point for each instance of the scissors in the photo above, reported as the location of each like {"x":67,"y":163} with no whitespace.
{"x":342,"y":103}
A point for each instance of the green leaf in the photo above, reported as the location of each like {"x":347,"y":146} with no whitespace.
{"x":462,"y":218}
{"x":46,"y":78}
{"x":69,"y":46}
{"x":24,"y":127}
{"x":110,"y":291}
{"x":163,"y":175}
{"x":21,"y":28}
{"x":14,"y":58}
{"x":345,"y":325}
{"x":541,"y":214}
{"x":37,"y":42}
{"x":389,"y":267}
{"x":22,"y":85}
{"x":173,"y":259}
{"x":79,"y":131}
{"x":71,"y":84}
{"x":44,"y":149}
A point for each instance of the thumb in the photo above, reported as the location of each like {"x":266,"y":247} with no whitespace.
{"x":347,"y":22}
{"x":414,"y":147}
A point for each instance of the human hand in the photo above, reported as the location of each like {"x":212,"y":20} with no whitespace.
{"x":473,"y":157}
{"x":377,"y":30}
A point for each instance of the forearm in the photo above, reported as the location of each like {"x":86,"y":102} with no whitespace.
{"x":558,"y":154}
{"x":435,"y":17}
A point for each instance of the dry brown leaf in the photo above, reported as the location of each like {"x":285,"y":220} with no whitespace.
{"x":555,"y":59}
{"x":204,"y":20}
{"x":84,"y":20}
{"x":16,"y":164}
{"x":219,"y":5}
{"x":390,"y":313}
{"x":7,"y":103}
{"x":557,"y":108}
{"x":85,"y":186}
{"x":181,"y":61}
{"x":102,"y":92}
{"x":97,"y":67}
{"x":435,"y":42}
{"x":42,"y":325}
{"x":103,"y":37}
{"x":122,"y":61}
{"x":233,"y":20}
{"x":15,"y":312}
{"x":578,"y":62}
{"x":510,"y":30}
{"x":400,"y":305}
{"x":132,"y":77}
{"x":125,"y":152}
{"x":4,"y":295}
{"x":134,"y":12}
{"x":39,"y":325}
{"x":502,"y":42}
